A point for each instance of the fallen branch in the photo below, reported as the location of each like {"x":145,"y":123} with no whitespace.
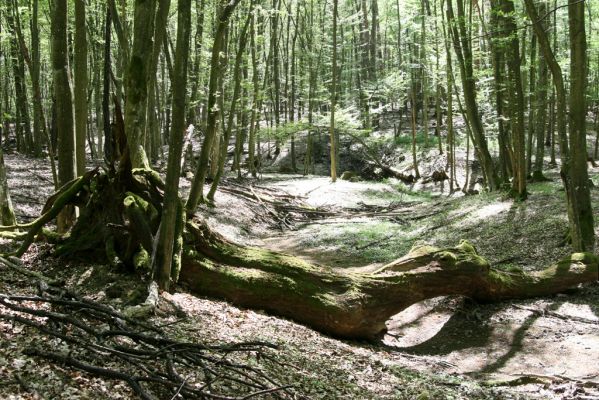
{"x":555,"y":314}
{"x":105,"y":343}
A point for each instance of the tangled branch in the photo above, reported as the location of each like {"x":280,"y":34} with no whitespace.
{"x":97,"y":339}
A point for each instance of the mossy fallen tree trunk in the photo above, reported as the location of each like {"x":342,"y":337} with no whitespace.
{"x":120,"y":217}
{"x":357,"y":305}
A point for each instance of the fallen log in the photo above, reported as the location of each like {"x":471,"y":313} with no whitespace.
{"x":357,"y":305}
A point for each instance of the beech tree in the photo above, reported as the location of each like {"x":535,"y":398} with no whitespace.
{"x":63,"y":105}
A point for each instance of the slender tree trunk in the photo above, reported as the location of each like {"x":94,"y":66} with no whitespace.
{"x":81,"y":82}
{"x":450,"y":129}
{"x":583,"y":232}
{"x":423,"y":73}
{"x":255,"y":102}
{"x":152,"y":130}
{"x":541,"y":107}
{"x":197,"y":188}
{"x":22,"y":122}
{"x":64,"y":106}
{"x":170,"y":242}
{"x":39,"y":124}
{"x":109,"y":149}
{"x":464,"y":55}
{"x":574,"y":177}
{"x":7,"y":214}
{"x":533,"y":87}
{"x":517,"y":105}
{"x":333,"y":141}
{"x":222,"y":156}
{"x":195,"y":75}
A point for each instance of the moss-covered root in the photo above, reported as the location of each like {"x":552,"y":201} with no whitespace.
{"x":354,"y":305}
{"x":66,"y":195}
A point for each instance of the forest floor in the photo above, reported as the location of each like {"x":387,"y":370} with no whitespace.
{"x":441,"y":348}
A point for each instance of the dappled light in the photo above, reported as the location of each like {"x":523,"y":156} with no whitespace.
{"x":299,"y":199}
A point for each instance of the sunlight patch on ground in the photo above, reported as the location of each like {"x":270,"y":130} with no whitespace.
{"x":321,"y":192}
{"x":490,"y":210}
{"x":578,"y":310}
{"x":416,"y":324}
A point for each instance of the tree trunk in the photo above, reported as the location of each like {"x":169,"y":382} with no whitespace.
{"x":7,"y":213}
{"x":136,"y":81}
{"x":506,"y":8}
{"x":196,"y":193}
{"x":81,"y":81}
{"x":222,"y":155}
{"x":120,"y":215}
{"x":64,"y":106}
{"x":333,"y":141}
{"x":575,"y":182}
{"x":541,"y":108}
{"x":168,"y":250}
{"x":583,"y":232}
{"x":39,"y":121}
{"x":464,"y":54}
{"x":106,"y":70}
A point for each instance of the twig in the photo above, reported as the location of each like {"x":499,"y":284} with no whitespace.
{"x":544,"y":312}
{"x":179,"y":390}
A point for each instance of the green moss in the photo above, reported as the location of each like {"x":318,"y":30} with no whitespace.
{"x":501,"y":278}
{"x":141,"y":260}
{"x":467,"y":247}
{"x":447,"y":257}
{"x":585,"y":258}
{"x":514,"y":269}
{"x":420,"y":250}
{"x":145,"y":206}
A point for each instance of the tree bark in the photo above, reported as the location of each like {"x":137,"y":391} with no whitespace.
{"x":541,"y":108}
{"x":506,"y":9}
{"x":81,"y":82}
{"x":333,"y":141}
{"x":196,"y":193}
{"x":168,"y":250}
{"x":573,"y":176}
{"x":582,"y":232}
{"x":64,"y":106}
{"x":222,"y":155}
{"x":463,"y":51}
{"x":7,"y":213}
{"x":136,"y":81}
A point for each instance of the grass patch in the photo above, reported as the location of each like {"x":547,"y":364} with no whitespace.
{"x":368,"y":242}
{"x":406,"y":140}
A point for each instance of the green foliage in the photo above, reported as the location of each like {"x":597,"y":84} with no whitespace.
{"x":406,"y":140}
{"x":284,"y":131}
{"x":347,"y":120}
{"x":395,"y":86}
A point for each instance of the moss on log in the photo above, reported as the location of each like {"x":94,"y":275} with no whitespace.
{"x":357,"y":305}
